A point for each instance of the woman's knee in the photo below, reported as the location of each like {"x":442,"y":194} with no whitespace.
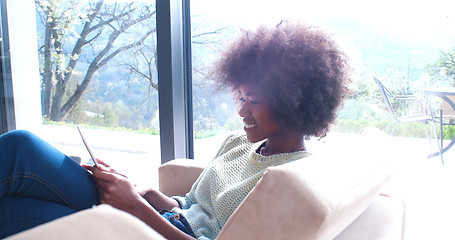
{"x":18,"y":134}
{"x":22,"y":141}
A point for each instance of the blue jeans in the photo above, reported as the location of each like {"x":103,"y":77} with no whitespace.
{"x":38,"y":183}
{"x":179,"y":221}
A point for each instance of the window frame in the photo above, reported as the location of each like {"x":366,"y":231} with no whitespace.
{"x":174,"y":79}
{"x":7,"y":114}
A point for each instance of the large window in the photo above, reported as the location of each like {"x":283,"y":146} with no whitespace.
{"x":396,"y":41}
{"x":96,"y":86}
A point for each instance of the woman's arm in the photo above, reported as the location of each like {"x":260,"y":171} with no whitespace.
{"x":116,"y":190}
{"x":158,"y":200}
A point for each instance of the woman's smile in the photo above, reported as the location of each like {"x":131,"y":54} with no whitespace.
{"x":247,"y":126}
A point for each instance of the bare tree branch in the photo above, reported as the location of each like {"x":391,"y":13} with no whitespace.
{"x":209,"y":33}
{"x":97,"y":23}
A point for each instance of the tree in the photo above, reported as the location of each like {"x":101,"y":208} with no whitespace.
{"x":84,"y":36}
{"x":442,"y":71}
{"x":206,"y":42}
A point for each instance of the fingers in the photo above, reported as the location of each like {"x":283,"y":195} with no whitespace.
{"x":115,"y":189}
{"x":106,"y":167}
{"x":102,"y":162}
{"x":91,"y":168}
{"x":103,"y":174}
{"x":87,"y":167}
{"x":106,"y":183}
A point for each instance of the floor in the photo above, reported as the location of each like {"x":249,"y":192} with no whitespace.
{"x":425,"y":185}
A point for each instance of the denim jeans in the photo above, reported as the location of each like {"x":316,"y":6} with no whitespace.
{"x":179,"y":221}
{"x":38,"y":183}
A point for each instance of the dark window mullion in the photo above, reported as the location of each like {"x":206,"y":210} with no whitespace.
{"x":7,"y":115}
{"x":174,"y":79}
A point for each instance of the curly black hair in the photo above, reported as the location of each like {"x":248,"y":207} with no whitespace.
{"x":297,"y":68}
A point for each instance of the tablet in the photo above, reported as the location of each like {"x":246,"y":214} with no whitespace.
{"x":88,"y":148}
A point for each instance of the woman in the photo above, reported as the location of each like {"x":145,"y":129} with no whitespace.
{"x":289,"y":82}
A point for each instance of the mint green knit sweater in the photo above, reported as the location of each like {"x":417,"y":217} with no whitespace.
{"x":225,"y":182}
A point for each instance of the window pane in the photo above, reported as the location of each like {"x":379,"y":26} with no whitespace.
{"x":395,"y":43}
{"x":98,"y":70}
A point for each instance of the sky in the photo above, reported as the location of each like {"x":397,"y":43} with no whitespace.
{"x":412,"y":20}
{"x":426,"y":21}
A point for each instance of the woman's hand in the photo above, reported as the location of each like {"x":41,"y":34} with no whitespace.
{"x":104,"y":165}
{"x":114,"y":188}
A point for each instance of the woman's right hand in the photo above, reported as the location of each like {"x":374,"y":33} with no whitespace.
{"x":104,"y":166}
{"x":116,"y":189}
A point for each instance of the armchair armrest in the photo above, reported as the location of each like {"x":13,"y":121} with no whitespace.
{"x":384,"y":219}
{"x":177,"y":176}
{"x":101,"y":222}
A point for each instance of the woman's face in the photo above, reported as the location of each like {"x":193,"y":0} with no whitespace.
{"x":257,"y":115}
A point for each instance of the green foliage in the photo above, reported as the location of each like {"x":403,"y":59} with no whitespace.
{"x":77,"y":114}
{"x":233,"y":123}
{"x":205,"y":124}
{"x":205,"y":134}
{"x":448,"y":132}
{"x":354,"y":109}
{"x":442,"y":71}
{"x":47,"y":121}
{"x":355,"y":126}
{"x":414,"y":130}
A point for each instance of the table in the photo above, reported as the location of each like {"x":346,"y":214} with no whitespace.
{"x":444,"y":94}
